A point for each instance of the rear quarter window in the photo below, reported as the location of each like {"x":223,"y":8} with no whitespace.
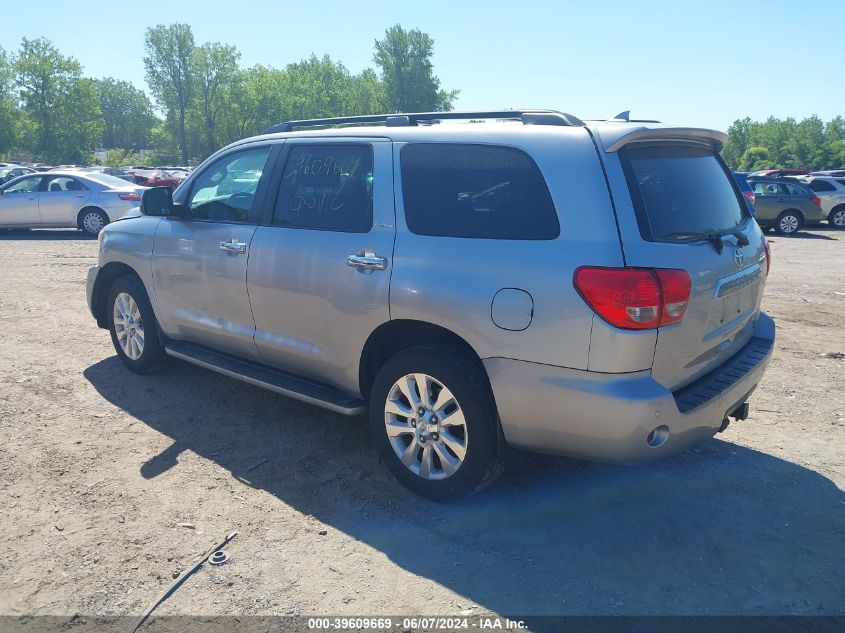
{"x":475,"y":191}
{"x":679,"y":191}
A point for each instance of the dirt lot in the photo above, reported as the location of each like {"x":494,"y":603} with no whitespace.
{"x":99,"y":466}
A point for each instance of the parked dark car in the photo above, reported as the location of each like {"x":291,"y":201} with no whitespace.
{"x":9,"y":172}
{"x":784,"y":205}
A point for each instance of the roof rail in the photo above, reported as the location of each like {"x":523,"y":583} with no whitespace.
{"x":528,"y":117}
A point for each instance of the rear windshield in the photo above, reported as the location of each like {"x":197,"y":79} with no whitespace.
{"x":680,"y":192}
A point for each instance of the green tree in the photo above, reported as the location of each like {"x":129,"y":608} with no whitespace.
{"x":216,"y":75}
{"x":169,"y":51}
{"x":9,"y":115}
{"x":62,"y":105}
{"x":127,"y":114}
{"x":404,"y":58}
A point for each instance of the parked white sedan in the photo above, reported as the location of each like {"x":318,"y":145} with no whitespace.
{"x":66,"y":199}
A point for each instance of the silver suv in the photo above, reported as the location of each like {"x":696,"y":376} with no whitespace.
{"x":520,"y":278}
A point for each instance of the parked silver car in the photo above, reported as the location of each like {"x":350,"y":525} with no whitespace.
{"x":583,"y":289}
{"x":831,"y":192}
{"x":66,"y":199}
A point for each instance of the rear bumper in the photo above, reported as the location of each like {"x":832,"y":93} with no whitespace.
{"x":608,"y":417}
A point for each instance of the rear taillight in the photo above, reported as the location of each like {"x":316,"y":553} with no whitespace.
{"x":131,"y":197}
{"x":749,"y":195}
{"x":768,"y":250}
{"x":816,"y":200}
{"x":635,"y":298}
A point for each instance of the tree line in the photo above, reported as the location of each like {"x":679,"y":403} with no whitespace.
{"x":810,"y":143}
{"x":203,"y":98}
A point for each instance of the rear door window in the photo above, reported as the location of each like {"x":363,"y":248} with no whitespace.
{"x":680,"y":191}
{"x":476,"y":191}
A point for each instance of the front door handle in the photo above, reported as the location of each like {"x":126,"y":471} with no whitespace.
{"x":367,"y":261}
{"x":233,"y":248}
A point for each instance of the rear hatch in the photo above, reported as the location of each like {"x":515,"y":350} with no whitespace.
{"x":679,"y":207}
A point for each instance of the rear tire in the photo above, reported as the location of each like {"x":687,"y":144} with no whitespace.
{"x":448,"y":446}
{"x":92,"y":221}
{"x":133,"y":326}
{"x":836,"y":217}
{"x":789,"y":223}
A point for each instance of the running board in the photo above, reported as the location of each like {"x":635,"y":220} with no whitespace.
{"x":283,"y":382}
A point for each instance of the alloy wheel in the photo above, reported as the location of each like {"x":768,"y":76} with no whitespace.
{"x":838,"y":218}
{"x":788,"y":224}
{"x":426,"y":426}
{"x":93,"y":222}
{"x":128,"y":326}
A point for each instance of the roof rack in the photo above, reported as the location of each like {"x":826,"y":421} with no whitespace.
{"x":528,"y":117}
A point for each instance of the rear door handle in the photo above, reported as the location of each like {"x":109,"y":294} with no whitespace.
{"x":233,"y":248}
{"x":367,"y":261}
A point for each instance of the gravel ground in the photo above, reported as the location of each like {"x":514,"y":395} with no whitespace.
{"x":113,"y":483}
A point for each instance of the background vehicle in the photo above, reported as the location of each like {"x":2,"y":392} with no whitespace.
{"x":117,"y":172}
{"x":459,"y":284}
{"x":774,"y":173}
{"x":161,"y":178}
{"x":12,"y":171}
{"x":66,"y":199}
{"x":831,"y":192}
{"x":747,"y":192}
{"x":785,"y":205}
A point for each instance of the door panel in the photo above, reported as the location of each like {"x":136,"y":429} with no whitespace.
{"x":200,"y":288}
{"x":60,"y":200}
{"x":200,"y":263}
{"x":19,"y":203}
{"x":313,"y":310}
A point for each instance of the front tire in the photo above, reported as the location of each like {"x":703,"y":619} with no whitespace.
{"x":836,"y":217}
{"x":92,"y":221}
{"x":434,"y":421}
{"x":788,"y":223}
{"x":133,"y":326}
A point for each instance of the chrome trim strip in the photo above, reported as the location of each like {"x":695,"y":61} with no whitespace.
{"x":736,"y":282}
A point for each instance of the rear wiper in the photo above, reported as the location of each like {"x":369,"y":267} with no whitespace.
{"x":713,"y":238}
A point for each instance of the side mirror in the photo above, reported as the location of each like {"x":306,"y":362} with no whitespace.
{"x":157,"y":201}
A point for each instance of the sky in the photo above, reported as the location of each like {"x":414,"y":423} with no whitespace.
{"x":702,"y":63}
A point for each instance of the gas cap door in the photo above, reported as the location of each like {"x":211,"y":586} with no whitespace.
{"x":512,"y":309}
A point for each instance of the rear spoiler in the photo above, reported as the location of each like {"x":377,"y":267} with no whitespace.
{"x":713,"y":138}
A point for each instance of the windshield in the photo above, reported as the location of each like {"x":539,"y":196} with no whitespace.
{"x":680,"y":192}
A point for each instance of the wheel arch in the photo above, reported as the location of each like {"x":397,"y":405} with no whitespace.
{"x":393,"y":336}
{"x":105,"y":278}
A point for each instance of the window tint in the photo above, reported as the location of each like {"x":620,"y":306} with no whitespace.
{"x":225,"y":190}
{"x":821,"y":185}
{"x":327,"y":187}
{"x":27,"y":185}
{"x":476,"y":191}
{"x":680,"y":190}
{"x":57,"y":184}
{"x":841,"y":181}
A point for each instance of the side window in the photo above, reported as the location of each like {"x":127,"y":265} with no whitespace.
{"x":476,"y":191}
{"x":759,"y":189}
{"x":64,"y":183}
{"x":821,"y":185}
{"x":27,"y":185}
{"x":225,"y":190}
{"x":328,"y":187}
{"x":795,"y":190}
